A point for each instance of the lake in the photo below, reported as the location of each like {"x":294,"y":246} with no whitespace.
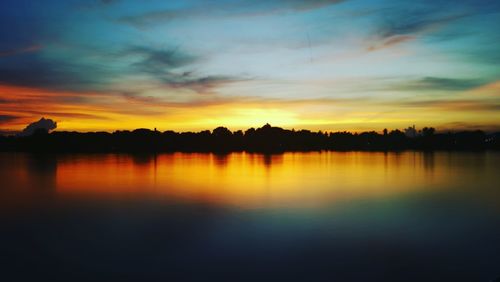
{"x":320,"y":216}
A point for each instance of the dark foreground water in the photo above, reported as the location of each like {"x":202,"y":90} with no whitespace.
{"x":351,"y":216}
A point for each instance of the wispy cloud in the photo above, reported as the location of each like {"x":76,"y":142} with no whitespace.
{"x":401,"y":23}
{"x":70,"y":115}
{"x":464,"y":125}
{"x":390,"y":41}
{"x":153,"y":17}
{"x":310,"y":4}
{"x":203,"y":85}
{"x":157,"y":60}
{"x":57,"y":73}
{"x":13,"y":52}
{"x":7,"y":118}
{"x":415,"y":22}
{"x":168,"y":67}
{"x":453,"y":105}
{"x":437,"y":84}
{"x":238,"y":8}
{"x":107,"y":2}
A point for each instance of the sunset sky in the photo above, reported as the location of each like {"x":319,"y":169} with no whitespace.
{"x":191,"y":65}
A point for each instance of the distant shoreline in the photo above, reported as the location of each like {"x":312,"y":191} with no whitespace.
{"x":266,"y":139}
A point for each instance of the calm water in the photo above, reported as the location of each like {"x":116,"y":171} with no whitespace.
{"x":351,"y":216}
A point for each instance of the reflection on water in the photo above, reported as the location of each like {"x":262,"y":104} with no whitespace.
{"x":253,"y":180}
{"x":408,"y":216}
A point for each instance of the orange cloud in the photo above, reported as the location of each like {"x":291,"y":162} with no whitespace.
{"x":96,"y":111}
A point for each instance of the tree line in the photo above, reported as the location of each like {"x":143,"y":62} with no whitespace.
{"x":264,"y":139}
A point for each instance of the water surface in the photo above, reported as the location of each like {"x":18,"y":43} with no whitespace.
{"x":337,"y":216}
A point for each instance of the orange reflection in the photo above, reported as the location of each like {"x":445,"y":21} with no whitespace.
{"x":254,"y":180}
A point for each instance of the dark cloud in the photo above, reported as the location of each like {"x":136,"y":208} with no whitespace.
{"x":463,"y":125}
{"x":72,"y":115}
{"x":415,"y":22}
{"x":153,"y":17}
{"x":227,"y":9}
{"x":164,"y":65}
{"x":82,"y":74}
{"x":107,"y":2}
{"x":454,"y":104}
{"x":28,"y":49}
{"x":485,"y":54}
{"x":204,"y":84}
{"x":54,"y":77}
{"x":46,"y":124}
{"x":168,"y":66}
{"x":7,"y":118}
{"x":309,"y":4}
{"x":8,"y":132}
{"x":424,"y":85}
{"x":59,"y":74}
{"x":401,"y":23}
{"x":159,"y":60}
{"x":438,"y":84}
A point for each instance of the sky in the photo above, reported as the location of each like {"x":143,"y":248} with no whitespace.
{"x":190,"y":65}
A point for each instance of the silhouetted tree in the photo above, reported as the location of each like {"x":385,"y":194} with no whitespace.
{"x":428,"y":131}
{"x":263,"y":139}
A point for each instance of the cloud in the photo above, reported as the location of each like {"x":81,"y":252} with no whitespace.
{"x":226,"y":9}
{"x":437,"y":84}
{"x":415,"y":23}
{"x":43,"y":123}
{"x":107,"y":2}
{"x":463,"y":125}
{"x":13,"y":52}
{"x":390,"y":41}
{"x":310,"y":4}
{"x":485,"y":54}
{"x":97,"y":70}
{"x":159,"y":60}
{"x":202,"y":85}
{"x":7,"y":118}
{"x":453,"y":104}
{"x":56,"y":73}
{"x":8,"y":132}
{"x":164,"y":65}
{"x":153,"y":17}
{"x":71,"y":115}
{"x":403,"y":23}
{"x":254,"y":101}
